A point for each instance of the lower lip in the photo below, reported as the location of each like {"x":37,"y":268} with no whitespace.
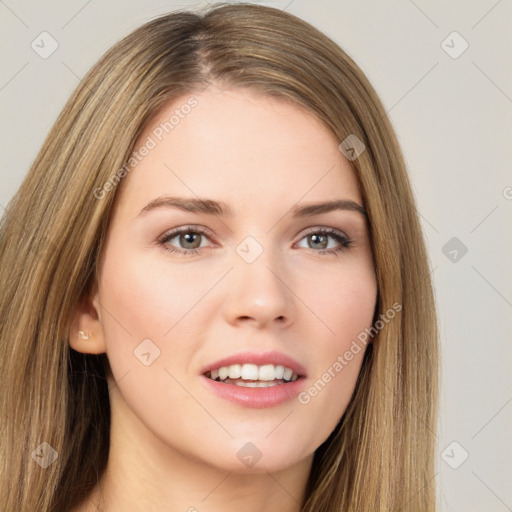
{"x":257,"y":398}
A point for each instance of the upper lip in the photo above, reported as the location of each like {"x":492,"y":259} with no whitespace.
{"x":272,"y":357}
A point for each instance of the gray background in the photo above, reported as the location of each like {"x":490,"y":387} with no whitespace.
{"x":452,"y":114}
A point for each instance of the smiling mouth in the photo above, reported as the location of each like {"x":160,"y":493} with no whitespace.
{"x":252,"y":375}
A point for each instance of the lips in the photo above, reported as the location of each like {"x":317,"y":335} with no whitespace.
{"x":255,"y":380}
{"x":266,"y":366}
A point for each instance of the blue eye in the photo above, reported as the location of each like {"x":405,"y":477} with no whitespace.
{"x":187,"y":236}
{"x":190,"y":240}
{"x":320,"y":237}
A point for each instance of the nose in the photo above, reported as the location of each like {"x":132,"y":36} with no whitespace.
{"x":259,"y":293}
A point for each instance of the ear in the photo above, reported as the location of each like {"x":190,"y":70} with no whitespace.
{"x":86,"y":332}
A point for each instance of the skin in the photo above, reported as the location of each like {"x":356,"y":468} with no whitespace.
{"x":174,"y":443}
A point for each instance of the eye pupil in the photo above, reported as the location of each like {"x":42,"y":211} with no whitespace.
{"x":318,"y":238}
{"x":189,"y":238}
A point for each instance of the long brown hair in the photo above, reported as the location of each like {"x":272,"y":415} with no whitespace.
{"x":381,"y":455}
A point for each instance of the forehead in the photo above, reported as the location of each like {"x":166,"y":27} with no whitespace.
{"x":241,"y":147}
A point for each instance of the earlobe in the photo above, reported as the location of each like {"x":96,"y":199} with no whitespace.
{"x":86,"y":331}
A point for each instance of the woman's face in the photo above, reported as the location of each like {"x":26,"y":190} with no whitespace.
{"x":244,"y":291}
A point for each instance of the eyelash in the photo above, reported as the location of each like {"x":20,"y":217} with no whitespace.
{"x":344,"y":241}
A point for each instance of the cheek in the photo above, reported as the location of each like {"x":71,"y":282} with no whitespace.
{"x":150,"y":331}
{"x":343,"y":299}
{"x":143,"y":299}
{"x":346,"y":305}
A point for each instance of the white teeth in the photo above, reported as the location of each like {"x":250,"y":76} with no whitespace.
{"x":267,"y":372}
{"x":250,"y":384}
{"x":264,"y":374}
{"x":235,"y":371}
{"x":250,"y":372}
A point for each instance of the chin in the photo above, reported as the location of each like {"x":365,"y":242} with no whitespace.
{"x":258,"y":456}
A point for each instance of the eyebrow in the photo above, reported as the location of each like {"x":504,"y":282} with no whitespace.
{"x":211,"y":207}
